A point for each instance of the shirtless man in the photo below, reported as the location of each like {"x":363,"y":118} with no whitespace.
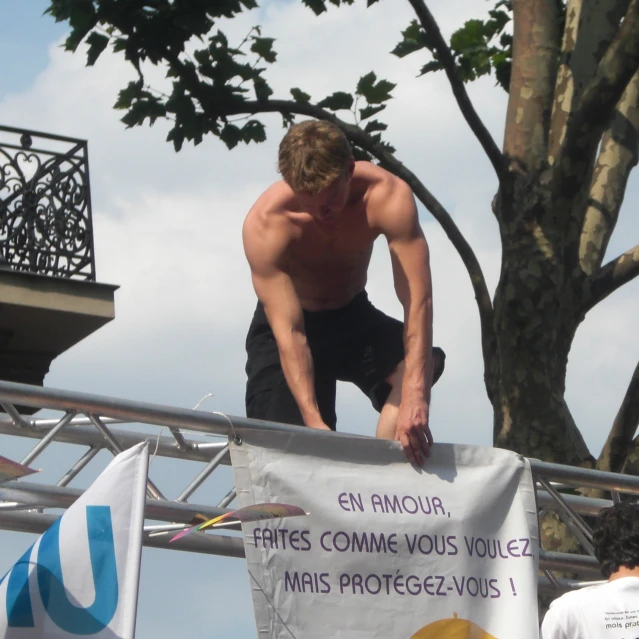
{"x":308,"y":240}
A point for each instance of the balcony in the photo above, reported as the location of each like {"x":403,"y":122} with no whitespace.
{"x":49,"y":296}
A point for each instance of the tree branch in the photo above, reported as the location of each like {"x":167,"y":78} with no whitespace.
{"x":445,"y":56}
{"x":590,"y":28}
{"x":631,"y":465}
{"x":608,"y":279}
{"x":595,"y":108}
{"x":535,"y":48}
{"x":615,"y":451}
{"x":618,"y":156}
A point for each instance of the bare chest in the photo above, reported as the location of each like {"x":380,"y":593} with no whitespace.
{"x":346,"y":247}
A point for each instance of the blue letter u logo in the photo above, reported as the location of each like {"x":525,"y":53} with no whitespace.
{"x":64,"y":613}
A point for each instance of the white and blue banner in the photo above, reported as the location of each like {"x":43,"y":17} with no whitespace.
{"x":447,"y":551}
{"x":81,"y":576}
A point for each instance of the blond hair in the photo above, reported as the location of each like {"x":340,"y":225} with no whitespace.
{"x":313,"y":155}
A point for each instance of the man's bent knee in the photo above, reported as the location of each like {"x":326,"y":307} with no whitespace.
{"x":396,"y":377}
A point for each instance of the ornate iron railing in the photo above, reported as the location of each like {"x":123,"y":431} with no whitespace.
{"x":45,"y":205}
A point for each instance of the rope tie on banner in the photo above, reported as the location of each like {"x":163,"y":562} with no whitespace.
{"x":236,"y":438}
{"x":157,"y":444}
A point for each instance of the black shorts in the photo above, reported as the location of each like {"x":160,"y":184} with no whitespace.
{"x":356,"y":343}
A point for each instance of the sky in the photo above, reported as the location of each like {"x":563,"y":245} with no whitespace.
{"x":167,"y":232}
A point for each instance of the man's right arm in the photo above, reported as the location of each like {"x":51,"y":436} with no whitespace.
{"x":274,"y":288}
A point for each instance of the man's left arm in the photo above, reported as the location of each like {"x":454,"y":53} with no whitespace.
{"x":412,"y":278}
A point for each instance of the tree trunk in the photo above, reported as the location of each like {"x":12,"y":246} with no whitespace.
{"x":536,"y":313}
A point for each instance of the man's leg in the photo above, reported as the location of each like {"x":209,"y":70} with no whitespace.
{"x":388,"y":415}
{"x":277,"y":404}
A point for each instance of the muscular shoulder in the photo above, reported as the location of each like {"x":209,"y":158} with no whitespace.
{"x":390,"y":203}
{"x":267,"y":229}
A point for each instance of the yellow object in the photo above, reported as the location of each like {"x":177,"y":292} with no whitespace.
{"x":455,"y":628}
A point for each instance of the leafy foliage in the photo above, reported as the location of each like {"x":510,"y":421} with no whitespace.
{"x":213,"y":85}
{"x":216,"y":88}
{"x":479,"y":48}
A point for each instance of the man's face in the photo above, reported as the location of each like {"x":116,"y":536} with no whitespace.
{"x":326,"y":206}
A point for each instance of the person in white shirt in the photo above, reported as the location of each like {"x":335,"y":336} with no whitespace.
{"x":609,"y":610}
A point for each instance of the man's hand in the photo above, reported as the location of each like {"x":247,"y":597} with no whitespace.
{"x":313,"y":419}
{"x":412,"y":430}
{"x":320,"y":426}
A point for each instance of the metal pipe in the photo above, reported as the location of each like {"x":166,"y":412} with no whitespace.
{"x":78,"y":420}
{"x":582,"y":505}
{"x":46,"y":440}
{"x":209,"y":446}
{"x":33,"y":495}
{"x":116,"y":447}
{"x":87,"y":436}
{"x":179,"y":439}
{"x":228,"y":498}
{"x":581,"y":477}
{"x":79,"y":465}
{"x":223,"y":545}
{"x":17,"y":419}
{"x":202,"y":476}
{"x":576,"y":524}
{"x":131,"y":411}
{"x":567,"y":562}
{"x":114,"y":444}
{"x":552,"y":580}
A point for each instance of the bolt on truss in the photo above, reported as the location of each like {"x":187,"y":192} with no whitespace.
{"x":98,"y":423}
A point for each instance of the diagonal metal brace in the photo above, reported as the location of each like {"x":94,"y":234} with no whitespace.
{"x":115,"y":447}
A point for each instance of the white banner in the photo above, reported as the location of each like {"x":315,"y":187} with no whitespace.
{"x":81,"y":576}
{"x":446,"y":552}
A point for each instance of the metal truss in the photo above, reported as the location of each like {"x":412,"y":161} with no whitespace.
{"x":96,"y":423}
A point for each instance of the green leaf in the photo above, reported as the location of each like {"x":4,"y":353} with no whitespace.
{"x":264,"y":48}
{"x":499,"y":19}
{"x":300,"y":96}
{"x":82,"y":18}
{"x":435,"y":65}
{"x":316,"y":6}
{"x":262,"y":90}
{"x":97,"y":44}
{"x":128,"y":94}
{"x":470,"y":35}
{"x":231,"y":135}
{"x":287,"y":120}
{"x":503,"y":68}
{"x":374,"y":92}
{"x":375,"y":125}
{"x":336,"y":101}
{"x":414,"y":40}
{"x":366,"y":83}
{"x":370,"y":111}
{"x":176,"y":136}
{"x":253,"y":131}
